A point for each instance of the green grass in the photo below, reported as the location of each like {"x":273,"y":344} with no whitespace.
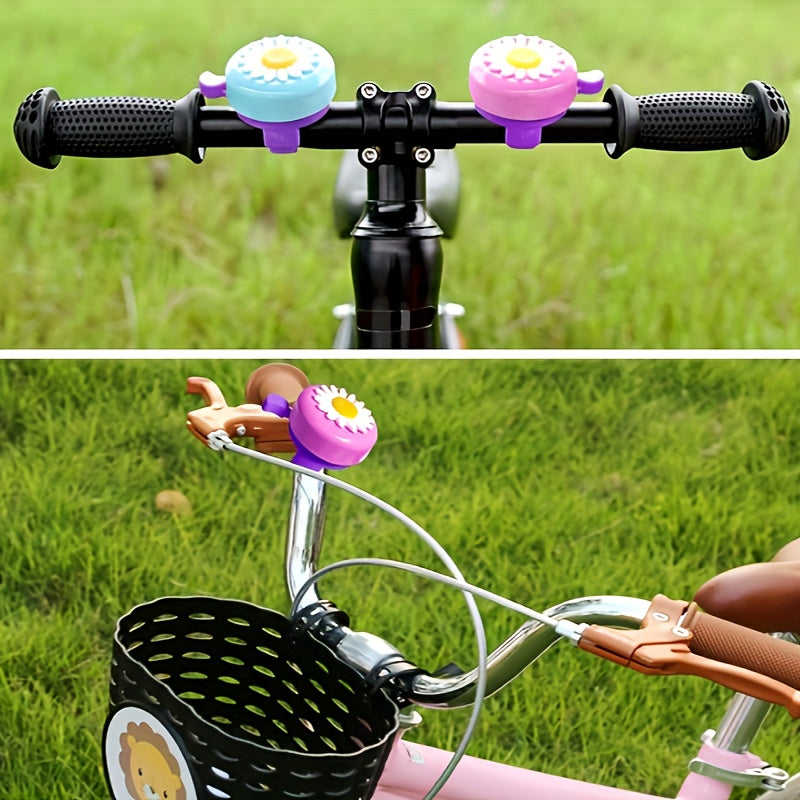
{"x":561,"y":247}
{"x":546,"y":480}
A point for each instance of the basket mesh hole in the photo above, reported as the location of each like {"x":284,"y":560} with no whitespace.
{"x":159,"y":657}
{"x":223,"y":699}
{"x":264,"y":670}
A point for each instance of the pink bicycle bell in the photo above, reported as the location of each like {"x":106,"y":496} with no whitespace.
{"x":330,"y":428}
{"x":279,"y":84}
{"x":524,"y":83}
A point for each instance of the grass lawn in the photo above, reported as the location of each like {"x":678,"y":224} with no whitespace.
{"x":560,"y":247}
{"x":545,"y":480}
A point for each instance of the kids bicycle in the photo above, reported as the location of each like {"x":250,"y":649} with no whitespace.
{"x":215,"y":698}
{"x":280,"y":91}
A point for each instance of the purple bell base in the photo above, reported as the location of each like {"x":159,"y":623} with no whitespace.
{"x":521,"y":134}
{"x":305,"y":458}
{"x":283,"y":137}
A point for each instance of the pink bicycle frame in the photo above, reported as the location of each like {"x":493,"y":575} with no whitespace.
{"x":411,"y":770}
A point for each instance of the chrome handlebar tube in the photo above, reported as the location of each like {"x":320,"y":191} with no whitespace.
{"x":524,"y":646}
{"x":363,"y":650}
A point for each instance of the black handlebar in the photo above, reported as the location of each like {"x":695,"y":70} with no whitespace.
{"x":46,"y":127}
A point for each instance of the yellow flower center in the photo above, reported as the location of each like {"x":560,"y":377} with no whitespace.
{"x":278,"y":58}
{"x":344,"y":407}
{"x":523,"y":58}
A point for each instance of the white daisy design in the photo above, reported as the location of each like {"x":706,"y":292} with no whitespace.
{"x":525,"y":58}
{"x":279,"y":58}
{"x":344,"y":409}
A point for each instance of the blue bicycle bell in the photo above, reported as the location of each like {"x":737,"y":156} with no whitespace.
{"x":278,"y":84}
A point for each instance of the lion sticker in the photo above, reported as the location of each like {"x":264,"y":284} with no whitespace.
{"x":151,"y":771}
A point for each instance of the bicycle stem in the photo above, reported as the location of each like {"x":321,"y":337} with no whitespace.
{"x":304,"y":536}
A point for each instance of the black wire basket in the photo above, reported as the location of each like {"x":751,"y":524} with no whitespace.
{"x":214,"y":699}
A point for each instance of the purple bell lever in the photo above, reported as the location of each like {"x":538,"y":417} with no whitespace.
{"x":524,"y":83}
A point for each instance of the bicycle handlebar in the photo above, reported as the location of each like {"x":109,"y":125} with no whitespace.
{"x":46,"y":127}
{"x":672,"y":636}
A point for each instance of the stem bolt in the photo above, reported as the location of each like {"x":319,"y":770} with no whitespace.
{"x":423,"y":90}
{"x":368,"y":91}
{"x":422,"y":155}
{"x":369,"y":155}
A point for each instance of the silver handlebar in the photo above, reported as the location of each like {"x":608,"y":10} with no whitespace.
{"x":364,"y":651}
{"x":525,"y":645}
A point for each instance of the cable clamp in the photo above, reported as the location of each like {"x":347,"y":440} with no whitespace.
{"x":218,"y":440}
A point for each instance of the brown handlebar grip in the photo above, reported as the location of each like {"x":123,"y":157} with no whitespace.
{"x":729,"y":643}
{"x":282,"y":379}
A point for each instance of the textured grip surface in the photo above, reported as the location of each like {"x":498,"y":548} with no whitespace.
{"x":697,"y":121}
{"x":730,"y":643}
{"x":112,"y":127}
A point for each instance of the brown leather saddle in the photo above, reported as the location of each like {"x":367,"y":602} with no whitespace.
{"x":763,"y":596}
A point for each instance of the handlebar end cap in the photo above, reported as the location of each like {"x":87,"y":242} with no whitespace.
{"x":30,"y":128}
{"x":775,"y":114}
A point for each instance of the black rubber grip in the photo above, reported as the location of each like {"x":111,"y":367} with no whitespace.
{"x":105,"y":127}
{"x":757,"y":120}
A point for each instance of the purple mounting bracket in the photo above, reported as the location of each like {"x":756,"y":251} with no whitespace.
{"x":521,"y":134}
{"x":305,"y":458}
{"x":283,"y":137}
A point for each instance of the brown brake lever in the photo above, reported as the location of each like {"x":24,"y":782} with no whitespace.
{"x":662,"y":646}
{"x":270,"y":432}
